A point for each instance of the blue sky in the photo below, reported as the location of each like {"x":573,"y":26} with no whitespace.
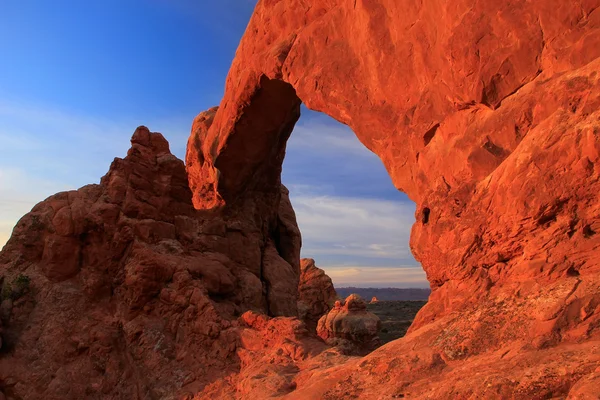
{"x":77,"y":77}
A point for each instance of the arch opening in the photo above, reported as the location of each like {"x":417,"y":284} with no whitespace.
{"x":354,"y":222}
{"x":351,"y":218}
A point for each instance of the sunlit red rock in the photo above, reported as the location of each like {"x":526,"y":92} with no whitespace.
{"x":350,"y":327}
{"x":486,"y":114}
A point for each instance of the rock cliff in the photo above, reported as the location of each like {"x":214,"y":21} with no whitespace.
{"x":487,"y":115}
{"x":124,"y":290}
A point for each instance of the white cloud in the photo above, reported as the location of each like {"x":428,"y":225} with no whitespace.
{"x":322,"y":137}
{"x":351,"y":221}
{"x":32,"y":126}
{"x":354,"y":227}
{"x":368,"y":276}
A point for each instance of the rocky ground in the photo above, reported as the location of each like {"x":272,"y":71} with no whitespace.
{"x":395,"y":316}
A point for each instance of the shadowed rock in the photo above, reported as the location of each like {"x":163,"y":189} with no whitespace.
{"x":126,"y":278}
{"x":316,"y":294}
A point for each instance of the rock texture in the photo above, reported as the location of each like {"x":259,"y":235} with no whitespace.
{"x":316,"y":294}
{"x":351,"y":327}
{"x":272,"y":352}
{"x":130,"y":291}
{"x":486,"y":114}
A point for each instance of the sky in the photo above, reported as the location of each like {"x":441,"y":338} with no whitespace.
{"x":77,"y":78}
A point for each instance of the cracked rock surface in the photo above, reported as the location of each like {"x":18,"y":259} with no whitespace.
{"x":161,"y":284}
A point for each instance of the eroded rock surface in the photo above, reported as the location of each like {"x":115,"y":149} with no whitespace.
{"x":350,"y":327}
{"x":272,"y":352}
{"x":133,"y":293}
{"x":316,"y":294}
{"x":486,"y":114}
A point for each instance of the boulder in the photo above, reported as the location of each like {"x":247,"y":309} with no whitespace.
{"x":350,"y":326}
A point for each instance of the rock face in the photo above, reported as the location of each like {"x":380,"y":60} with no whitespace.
{"x":133,"y":293}
{"x":316,"y":294}
{"x":272,"y":351}
{"x":374,"y":300}
{"x":486,"y":114}
{"x":351,"y":327}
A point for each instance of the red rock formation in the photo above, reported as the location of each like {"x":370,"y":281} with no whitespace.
{"x":131,"y":292}
{"x":316,"y":294}
{"x":272,"y":351}
{"x":350,"y":327}
{"x":486,"y":114}
{"x":374,"y":300}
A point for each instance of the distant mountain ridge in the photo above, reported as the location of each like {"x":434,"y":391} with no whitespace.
{"x":386,"y":294}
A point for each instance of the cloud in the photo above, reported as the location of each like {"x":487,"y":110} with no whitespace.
{"x":354,"y":226}
{"x":19,"y":189}
{"x":368,"y":276}
{"x":353,"y":221}
{"x":326,"y":156}
{"x":318,"y":136}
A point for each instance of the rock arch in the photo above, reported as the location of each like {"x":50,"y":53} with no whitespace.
{"x":486,"y":113}
{"x":467,"y":105}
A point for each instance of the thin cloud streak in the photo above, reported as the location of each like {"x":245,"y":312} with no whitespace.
{"x":322,"y":137}
{"x":354,"y":226}
{"x":370,"y":276}
{"x":34,"y":126}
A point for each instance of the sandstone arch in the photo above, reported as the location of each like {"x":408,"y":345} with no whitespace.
{"x":444,"y":92}
{"x":485,"y":113}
